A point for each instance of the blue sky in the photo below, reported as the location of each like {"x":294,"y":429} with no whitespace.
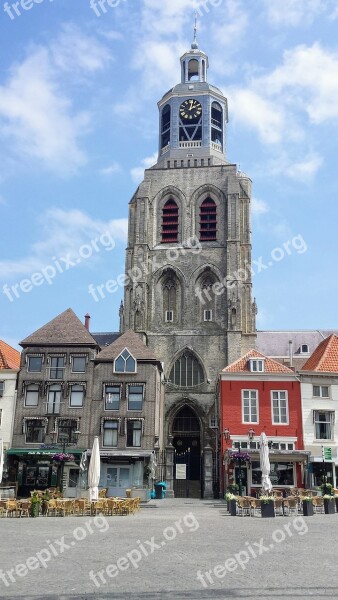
{"x":78,"y":122}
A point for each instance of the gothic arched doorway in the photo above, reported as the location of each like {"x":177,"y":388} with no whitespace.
{"x":187,"y":443}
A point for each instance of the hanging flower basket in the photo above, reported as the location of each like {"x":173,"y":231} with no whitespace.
{"x":61,"y":457}
{"x":240,"y":457}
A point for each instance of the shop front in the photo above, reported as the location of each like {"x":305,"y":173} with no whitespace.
{"x":121,"y":471}
{"x":34,"y":469}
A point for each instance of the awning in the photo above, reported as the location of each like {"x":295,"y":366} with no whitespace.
{"x":283,"y":455}
{"x":42,"y":451}
{"x":123,"y":453}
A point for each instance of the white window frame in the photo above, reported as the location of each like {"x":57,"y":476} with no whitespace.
{"x":169,"y":316}
{"x":105,"y":394}
{"x":250,"y":391}
{"x":207,"y":310}
{"x":38,"y":392}
{"x":331,"y":421}
{"x":254,"y":363}
{"x":320,"y":395}
{"x":72,"y":362}
{"x":54,"y":399}
{"x":279,"y":411}
{"x":130,"y":386}
{"x":77,"y":391}
{"x":125,"y":362}
{"x":2,"y":388}
{"x":115,"y":428}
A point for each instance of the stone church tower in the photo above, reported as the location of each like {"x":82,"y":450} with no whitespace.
{"x":188,"y":262}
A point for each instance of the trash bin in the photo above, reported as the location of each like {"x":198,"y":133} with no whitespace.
{"x":160,"y":490}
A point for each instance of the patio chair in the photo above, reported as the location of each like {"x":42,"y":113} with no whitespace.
{"x":255,"y":507}
{"x":12,"y":507}
{"x":291,"y":505}
{"x":100,"y":506}
{"x":123,"y":507}
{"x":112,"y":506}
{"x":3,"y":508}
{"x":51,"y":507}
{"x":318,"y":504}
{"x":244,"y":507}
{"x":80,"y":506}
{"x":279,"y":506}
{"x":103,"y":493}
{"x":24,"y":508}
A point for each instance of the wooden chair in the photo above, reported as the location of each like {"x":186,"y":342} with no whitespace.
{"x":100,"y":506}
{"x":318,"y":504}
{"x":12,"y":507}
{"x":255,"y":506}
{"x":51,"y":507}
{"x":279,"y":506}
{"x":3,"y":508}
{"x":291,"y":505}
{"x":244,"y":507}
{"x":103,"y":493}
{"x":112,"y":506}
{"x":24,"y":508}
{"x":80,"y":506}
{"x":123,"y":507}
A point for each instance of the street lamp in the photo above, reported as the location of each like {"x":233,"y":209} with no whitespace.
{"x":226,"y":434}
{"x":251,"y":434}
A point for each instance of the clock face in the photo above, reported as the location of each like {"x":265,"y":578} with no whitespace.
{"x":190,"y":109}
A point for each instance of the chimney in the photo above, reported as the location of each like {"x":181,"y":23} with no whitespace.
{"x":87,"y":321}
{"x":290,"y":353}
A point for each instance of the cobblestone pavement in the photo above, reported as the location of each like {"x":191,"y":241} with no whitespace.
{"x":182,"y":548}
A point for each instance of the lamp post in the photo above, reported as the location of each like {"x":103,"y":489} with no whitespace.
{"x":65,"y":441}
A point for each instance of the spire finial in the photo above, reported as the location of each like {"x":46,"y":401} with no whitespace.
{"x":194,"y":45}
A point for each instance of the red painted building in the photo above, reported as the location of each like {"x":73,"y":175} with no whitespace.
{"x":259,"y":394}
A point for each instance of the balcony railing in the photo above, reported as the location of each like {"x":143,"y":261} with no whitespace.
{"x":193,"y":144}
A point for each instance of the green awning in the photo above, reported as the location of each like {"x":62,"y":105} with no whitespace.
{"x":43,"y":451}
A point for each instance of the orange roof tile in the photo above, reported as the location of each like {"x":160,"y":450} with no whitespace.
{"x":325,"y":357}
{"x":9,"y":357}
{"x":270,"y":365}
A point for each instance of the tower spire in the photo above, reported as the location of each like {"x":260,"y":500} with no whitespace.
{"x":194,"y":45}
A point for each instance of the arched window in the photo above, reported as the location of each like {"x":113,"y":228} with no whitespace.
{"x":170,"y":222}
{"x":165,"y":126}
{"x":187,"y":371}
{"x":208,"y":221}
{"x":217,"y":124}
{"x":169,"y":301}
{"x":186,"y":421}
{"x":193,"y":70}
{"x":125,"y":363}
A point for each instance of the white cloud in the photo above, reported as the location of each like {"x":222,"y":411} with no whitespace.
{"x":74,"y":51}
{"x":137,"y":173}
{"x":259,"y":207}
{"x":293,"y":12}
{"x":112,"y":169}
{"x":252,"y":110}
{"x":63,"y":233}
{"x":301,"y":170}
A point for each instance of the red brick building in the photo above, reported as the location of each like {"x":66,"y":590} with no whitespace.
{"x":259,"y":394}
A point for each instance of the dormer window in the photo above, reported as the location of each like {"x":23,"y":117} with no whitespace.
{"x":125,"y":363}
{"x":256,"y":365}
{"x":304,"y":349}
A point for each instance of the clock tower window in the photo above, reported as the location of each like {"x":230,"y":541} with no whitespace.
{"x":170,"y":222}
{"x":165,"y":126}
{"x":217,"y":124}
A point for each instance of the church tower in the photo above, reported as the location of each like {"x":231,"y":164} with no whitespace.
{"x":188,"y":264}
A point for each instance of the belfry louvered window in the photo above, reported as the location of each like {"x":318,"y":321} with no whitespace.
{"x":208,"y":221}
{"x":170,"y":222}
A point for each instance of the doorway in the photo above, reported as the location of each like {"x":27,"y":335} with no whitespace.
{"x":187,"y":458}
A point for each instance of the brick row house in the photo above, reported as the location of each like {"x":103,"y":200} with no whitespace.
{"x":9,"y":368}
{"x":258,"y":394}
{"x":70,"y":390}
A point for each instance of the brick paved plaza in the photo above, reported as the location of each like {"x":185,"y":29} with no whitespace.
{"x":184,"y":549}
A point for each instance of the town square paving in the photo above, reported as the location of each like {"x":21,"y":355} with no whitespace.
{"x":174,"y":548}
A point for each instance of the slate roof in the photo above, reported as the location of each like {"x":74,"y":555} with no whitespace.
{"x":133,"y":342}
{"x":105,"y":339}
{"x":9,"y":357}
{"x":64,"y":330}
{"x":270,"y":365}
{"x":276,"y":343}
{"x":325,"y":357}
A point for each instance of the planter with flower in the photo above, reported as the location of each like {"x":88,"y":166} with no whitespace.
{"x":239,"y":459}
{"x":231,"y":503}
{"x":307,"y":506}
{"x":329,"y":504}
{"x":35,"y":505}
{"x":267,"y":506}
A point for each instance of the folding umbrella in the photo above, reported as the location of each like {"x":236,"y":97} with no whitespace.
{"x":94,"y":471}
{"x":265,"y":463}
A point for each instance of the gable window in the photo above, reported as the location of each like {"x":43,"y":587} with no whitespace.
{"x":324,"y":424}
{"x":125,"y":363}
{"x":321,"y":391}
{"x":78,"y":364}
{"x":256,"y":365}
{"x":77,"y":393}
{"x":134,"y":433}
{"x":57,"y":365}
{"x":2,"y":388}
{"x":250,"y":406}
{"x":34,"y":364}
{"x":54,"y":399}
{"x":32,"y":395}
{"x":187,"y":371}
{"x":35,"y":431}
{"x":170,"y":222}
{"x":110,"y":433}
{"x":112,"y":395}
{"x":208,"y":221}
{"x":135,"y":397}
{"x":280,"y":408}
